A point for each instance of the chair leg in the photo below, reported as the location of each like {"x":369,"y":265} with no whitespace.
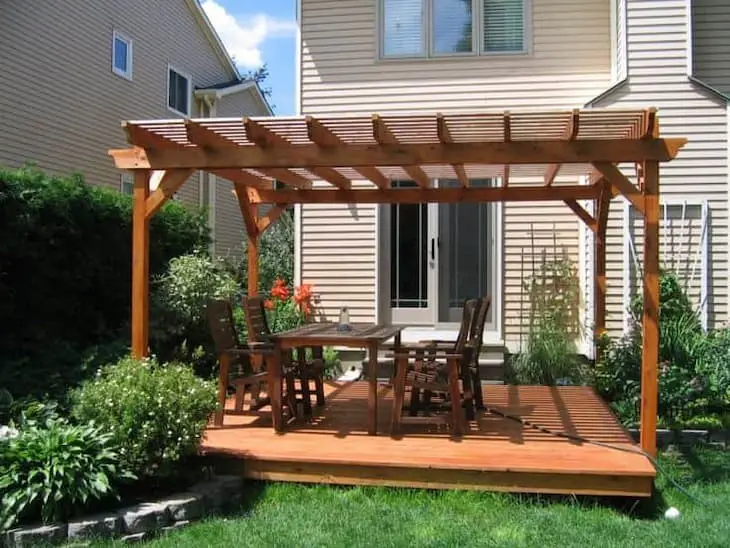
{"x":240,"y":397}
{"x":476,"y":382}
{"x":457,"y":421}
{"x":224,"y":362}
{"x":306,"y":393}
{"x":415,"y":401}
{"x":319,"y":388}
{"x":291,"y":393}
{"x":399,"y":388}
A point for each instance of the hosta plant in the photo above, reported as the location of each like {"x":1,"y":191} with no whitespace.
{"x":51,"y":470}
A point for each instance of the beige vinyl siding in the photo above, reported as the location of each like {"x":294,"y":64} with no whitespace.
{"x":230,"y":232}
{"x":340,"y":73}
{"x":711,"y":43}
{"x":61,"y":105}
{"x":657,"y":40}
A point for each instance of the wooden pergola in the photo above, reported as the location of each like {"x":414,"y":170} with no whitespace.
{"x":353,"y":159}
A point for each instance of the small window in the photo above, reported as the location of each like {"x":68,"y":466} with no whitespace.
{"x":403,"y":30}
{"x":122,"y":55}
{"x":126,"y":183}
{"x":178,"y":92}
{"x":452,"y":25}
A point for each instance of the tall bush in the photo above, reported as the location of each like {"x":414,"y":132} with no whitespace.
{"x":65,"y":272}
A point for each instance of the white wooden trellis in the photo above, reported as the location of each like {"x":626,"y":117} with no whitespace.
{"x":699,"y":259}
{"x":586,"y":260}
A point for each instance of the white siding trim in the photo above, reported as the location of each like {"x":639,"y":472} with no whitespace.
{"x":298,"y":109}
{"x":690,"y":38}
{"x":626,"y":258}
{"x":705,"y":266}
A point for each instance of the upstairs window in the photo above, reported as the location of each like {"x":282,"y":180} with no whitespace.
{"x":121,"y":55}
{"x":434,"y":28}
{"x":178,"y":92}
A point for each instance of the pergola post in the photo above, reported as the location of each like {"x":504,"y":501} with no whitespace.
{"x":650,"y":316}
{"x":140,"y":265}
{"x":253,"y":264}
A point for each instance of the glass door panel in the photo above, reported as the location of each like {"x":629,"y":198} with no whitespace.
{"x":412,"y":262}
{"x":467,"y":254}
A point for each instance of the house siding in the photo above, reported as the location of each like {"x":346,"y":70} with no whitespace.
{"x":230,"y":233}
{"x":340,"y":73}
{"x":657,"y":68}
{"x":711,"y":43}
{"x":61,"y":106}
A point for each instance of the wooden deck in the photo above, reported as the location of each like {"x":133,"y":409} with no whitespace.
{"x":497,"y":454}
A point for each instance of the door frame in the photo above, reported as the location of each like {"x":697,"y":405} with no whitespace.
{"x":383,"y":312}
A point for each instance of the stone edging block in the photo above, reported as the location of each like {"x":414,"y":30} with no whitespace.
{"x":138,"y":522}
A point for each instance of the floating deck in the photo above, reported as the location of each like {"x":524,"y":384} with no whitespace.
{"x":497,"y":454}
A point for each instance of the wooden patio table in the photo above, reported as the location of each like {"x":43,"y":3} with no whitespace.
{"x":360,"y":335}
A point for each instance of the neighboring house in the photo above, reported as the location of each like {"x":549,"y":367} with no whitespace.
{"x":73,"y":70}
{"x":398,"y":56}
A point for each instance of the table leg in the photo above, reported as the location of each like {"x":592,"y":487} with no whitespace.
{"x":373,"y":389}
{"x":274,"y":378}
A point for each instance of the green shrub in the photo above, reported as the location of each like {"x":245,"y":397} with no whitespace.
{"x":276,"y":255}
{"x":694,"y":378}
{"x":179,"y":328}
{"x":155,"y":412}
{"x":550,"y":353}
{"x":53,"y":469}
{"x":65,"y":272}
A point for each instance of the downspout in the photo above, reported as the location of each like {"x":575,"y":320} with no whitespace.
{"x":207,"y":180}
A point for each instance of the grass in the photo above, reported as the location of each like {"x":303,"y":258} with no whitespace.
{"x":286,"y":515}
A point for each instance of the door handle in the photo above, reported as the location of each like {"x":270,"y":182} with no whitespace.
{"x":433,"y":249}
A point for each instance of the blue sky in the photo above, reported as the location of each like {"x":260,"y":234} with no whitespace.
{"x":257,"y":32}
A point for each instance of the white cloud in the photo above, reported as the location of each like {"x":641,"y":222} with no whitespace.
{"x":244,"y":36}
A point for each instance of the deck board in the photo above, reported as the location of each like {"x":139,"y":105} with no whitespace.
{"x":496,"y":453}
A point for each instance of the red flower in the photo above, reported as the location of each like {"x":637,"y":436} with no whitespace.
{"x":269,"y":304}
{"x":279,"y":290}
{"x":303,"y":293}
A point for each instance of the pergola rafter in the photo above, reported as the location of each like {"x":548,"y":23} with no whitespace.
{"x":519,"y":148}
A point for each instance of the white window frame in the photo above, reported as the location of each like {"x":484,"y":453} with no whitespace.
{"x":126,"y":178}
{"x":427,"y":51}
{"x":116,"y":35}
{"x":190,"y":91}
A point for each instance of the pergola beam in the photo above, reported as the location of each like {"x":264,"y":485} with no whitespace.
{"x":582,"y":151}
{"x":621,"y":183}
{"x":570,"y":134}
{"x":423,"y":195}
{"x":247,"y":211}
{"x":170,"y":183}
{"x":383,"y":135}
{"x":582,"y":214}
{"x":271,"y":217}
{"x":244,"y":177}
{"x":507,"y":135}
{"x":444,"y":135}
{"x":323,"y":137}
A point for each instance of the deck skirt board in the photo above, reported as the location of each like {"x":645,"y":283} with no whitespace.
{"x":497,"y":453}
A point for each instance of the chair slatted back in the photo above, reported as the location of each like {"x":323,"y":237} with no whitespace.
{"x":477,"y":334}
{"x":222,"y":327}
{"x":467,"y":323}
{"x":258,"y":326}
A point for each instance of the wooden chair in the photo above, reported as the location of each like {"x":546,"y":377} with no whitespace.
{"x":438,"y":368}
{"x":235,"y":367}
{"x":477,"y":339}
{"x":303,"y":369}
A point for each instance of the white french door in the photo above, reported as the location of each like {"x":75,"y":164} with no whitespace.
{"x":439,"y":256}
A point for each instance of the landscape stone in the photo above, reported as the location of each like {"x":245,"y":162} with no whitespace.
{"x":98,"y":526}
{"x":145,"y":517}
{"x":177,"y":525}
{"x":36,"y":536}
{"x":232,"y":490}
{"x":185,"y":506}
{"x":213,"y":494}
{"x":136,"y":537}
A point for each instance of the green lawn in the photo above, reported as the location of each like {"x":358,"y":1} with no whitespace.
{"x":285,"y":515}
